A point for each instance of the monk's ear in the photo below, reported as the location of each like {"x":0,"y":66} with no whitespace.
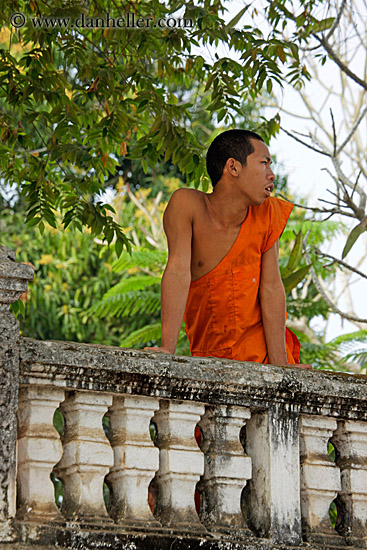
{"x":233,"y":167}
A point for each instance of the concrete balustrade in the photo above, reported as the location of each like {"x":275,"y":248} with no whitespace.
{"x":39,"y":449}
{"x":87,"y":456}
{"x":136,"y":460}
{"x":272,"y":496}
{"x":13,"y":283}
{"x":350,"y":440}
{"x":181,"y":463}
{"x":320,"y":478}
{"x":227,"y":469}
{"x":262,"y":466}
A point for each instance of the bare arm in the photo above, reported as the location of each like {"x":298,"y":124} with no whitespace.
{"x":177,"y":222}
{"x":273,"y":306}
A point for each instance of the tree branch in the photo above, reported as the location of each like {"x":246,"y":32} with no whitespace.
{"x":327,"y":299}
{"x":331,"y":211}
{"x":334,"y":132}
{"x":324,"y":42}
{"x":304,"y":143}
{"x":354,"y":128}
{"x":337,"y":19}
{"x":346,"y":182}
{"x":340,"y":262}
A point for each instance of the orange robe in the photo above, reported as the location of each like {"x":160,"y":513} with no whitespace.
{"x":223,"y":314}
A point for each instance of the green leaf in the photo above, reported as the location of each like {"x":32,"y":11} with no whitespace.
{"x":291,"y":281}
{"x":222,"y":113}
{"x":353,"y":236}
{"x":127,"y":304}
{"x":323,"y":25}
{"x":119,"y":244}
{"x":141,"y":257}
{"x":233,"y":22}
{"x":109,"y":234}
{"x":143,"y":335}
{"x":295,"y":256}
{"x":132,"y":284}
{"x":142,"y":104}
{"x":33,"y":222}
{"x":196,"y":159}
{"x":15,"y":308}
{"x":356,"y":336}
{"x":21,"y":308}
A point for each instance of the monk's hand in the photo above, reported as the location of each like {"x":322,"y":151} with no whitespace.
{"x":157,"y":349}
{"x":301,"y":366}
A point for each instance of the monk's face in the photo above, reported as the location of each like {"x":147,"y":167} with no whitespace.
{"x":256,"y":178}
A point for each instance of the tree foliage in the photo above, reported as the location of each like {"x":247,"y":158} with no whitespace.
{"x":74,"y":100}
{"x":71,"y":272}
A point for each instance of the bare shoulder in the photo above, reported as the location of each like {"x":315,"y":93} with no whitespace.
{"x":186,"y":194}
{"x":185,"y":201}
{"x":178,"y":222}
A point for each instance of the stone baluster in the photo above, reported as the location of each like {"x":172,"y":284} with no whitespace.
{"x":181,"y":463}
{"x":13,"y":283}
{"x":135,"y":460}
{"x":227,"y":469}
{"x":271,"y":499}
{"x":39,"y":449}
{"x":87,"y":456}
{"x":350,"y":440}
{"x":320,"y":479}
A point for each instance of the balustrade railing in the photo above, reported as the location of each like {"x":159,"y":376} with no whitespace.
{"x":203,"y":451}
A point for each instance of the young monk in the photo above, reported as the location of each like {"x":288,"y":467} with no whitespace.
{"x":222,"y":274}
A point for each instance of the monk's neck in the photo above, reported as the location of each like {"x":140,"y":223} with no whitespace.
{"x":225,"y":210}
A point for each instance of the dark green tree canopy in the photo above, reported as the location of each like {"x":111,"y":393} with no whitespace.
{"x":76,"y":100}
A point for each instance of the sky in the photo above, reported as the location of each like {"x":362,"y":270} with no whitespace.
{"x":306,"y":177}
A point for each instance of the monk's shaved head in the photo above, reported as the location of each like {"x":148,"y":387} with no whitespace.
{"x":230,"y":144}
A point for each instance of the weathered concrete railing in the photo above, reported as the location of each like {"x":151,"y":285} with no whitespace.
{"x":13,"y":282}
{"x":260,"y":462}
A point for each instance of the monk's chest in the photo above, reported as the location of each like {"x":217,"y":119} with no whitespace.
{"x":209,"y":246}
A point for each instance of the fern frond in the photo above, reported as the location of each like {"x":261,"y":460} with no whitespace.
{"x":142,"y":257}
{"x":127,"y":304}
{"x":358,"y":356}
{"x":350,"y":338}
{"x":132,"y":284}
{"x":142,"y":335}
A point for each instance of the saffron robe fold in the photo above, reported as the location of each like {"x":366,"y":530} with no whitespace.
{"x":223,"y":314}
